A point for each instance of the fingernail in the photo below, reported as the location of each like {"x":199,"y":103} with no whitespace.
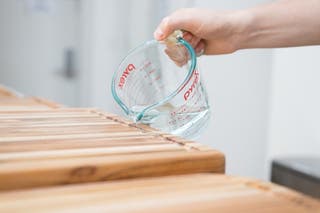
{"x":158,"y":34}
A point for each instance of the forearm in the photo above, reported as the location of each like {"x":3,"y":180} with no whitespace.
{"x":282,"y":23}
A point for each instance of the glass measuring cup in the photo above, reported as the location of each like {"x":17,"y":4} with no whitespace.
{"x":158,"y":84}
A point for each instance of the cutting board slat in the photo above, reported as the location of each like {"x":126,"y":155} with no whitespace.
{"x":76,"y":144}
{"x":182,"y":193}
{"x":26,"y":174}
{"x":96,"y":151}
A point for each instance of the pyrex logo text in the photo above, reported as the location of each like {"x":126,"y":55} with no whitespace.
{"x":192,"y":87}
{"x":125,"y":74}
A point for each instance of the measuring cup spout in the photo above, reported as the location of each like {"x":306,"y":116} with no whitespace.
{"x":138,"y":117}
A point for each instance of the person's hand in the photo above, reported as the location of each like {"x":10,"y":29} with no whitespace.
{"x":209,"y":32}
{"x":282,"y":23}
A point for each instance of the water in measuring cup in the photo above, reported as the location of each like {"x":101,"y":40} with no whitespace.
{"x":154,"y":90}
{"x":176,"y":120}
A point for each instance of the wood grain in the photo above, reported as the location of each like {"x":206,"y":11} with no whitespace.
{"x":64,"y":145}
{"x":58,"y":159}
{"x":13,"y":103}
{"x":182,"y":193}
{"x":35,"y":173}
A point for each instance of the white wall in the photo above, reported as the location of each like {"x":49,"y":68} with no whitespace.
{"x":294,"y":128}
{"x":238,"y":87}
{"x":33,"y":41}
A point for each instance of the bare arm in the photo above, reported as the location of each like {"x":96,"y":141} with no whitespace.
{"x":282,"y":23}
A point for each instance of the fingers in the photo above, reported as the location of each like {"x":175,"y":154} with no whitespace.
{"x":191,"y":39}
{"x":163,"y":30}
{"x":197,"y":44}
{"x":179,"y":20}
{"x":200,"y":48}
{"x":178,"y":55}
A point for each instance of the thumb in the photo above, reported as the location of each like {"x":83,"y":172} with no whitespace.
{"x":179,"y":20}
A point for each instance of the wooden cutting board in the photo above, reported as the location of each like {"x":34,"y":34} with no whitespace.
{"x":184,"y":193}
{"x":13,"y":101}
{"x":25,"y":104}
{"x":5,"y":92}
{"x":57,"y":159}
{"x":64,"y":145}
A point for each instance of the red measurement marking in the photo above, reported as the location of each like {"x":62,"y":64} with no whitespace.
{"x":157,"y":78}
{"x":152,"y":71}
{"x":192,"y":87}
{"x":147,"y":64}
{"x":125,"y":74}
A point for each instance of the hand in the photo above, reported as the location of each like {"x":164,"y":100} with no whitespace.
{"x":282,"y":23}
{"x":209,"y":32}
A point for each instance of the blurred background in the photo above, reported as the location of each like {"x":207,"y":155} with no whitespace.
{"x":266,"y":102}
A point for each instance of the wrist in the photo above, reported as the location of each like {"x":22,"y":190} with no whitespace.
{"x":243,"y":27}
